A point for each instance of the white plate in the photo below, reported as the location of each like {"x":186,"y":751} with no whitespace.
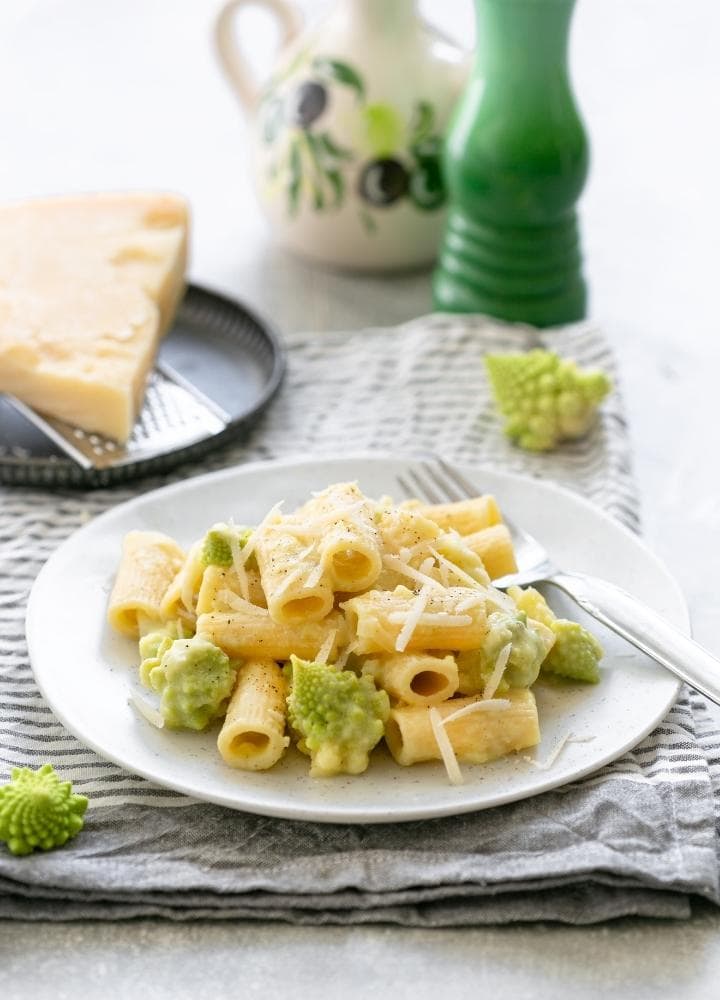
{"x":85,"y":671}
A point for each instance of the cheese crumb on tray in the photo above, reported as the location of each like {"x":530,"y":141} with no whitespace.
{"x":88,"y":286}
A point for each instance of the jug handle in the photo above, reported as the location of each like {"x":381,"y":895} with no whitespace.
{"x":230,"y":53}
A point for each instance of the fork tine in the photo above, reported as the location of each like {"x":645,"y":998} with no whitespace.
{"x":468,"y":489}
{"x":420,"y":487}
{"x":447,"y":488}
{"x":404,"y":485}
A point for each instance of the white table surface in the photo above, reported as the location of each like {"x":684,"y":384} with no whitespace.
{"x":125,"y":93}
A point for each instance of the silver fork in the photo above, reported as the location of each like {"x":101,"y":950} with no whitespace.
{"x":437,"y":482}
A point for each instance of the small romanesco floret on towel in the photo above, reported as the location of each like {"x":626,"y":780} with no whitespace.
{"x":217,"y":544}
{"x":194,"y":678}
{"x":530,"y":643}
{"x":576,"y":653}
{"x":544,"y":398}
{"x":39,"y":810}
{"x":338,"y":716}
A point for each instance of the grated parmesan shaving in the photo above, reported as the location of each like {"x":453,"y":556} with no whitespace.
{"x":239,"y":564}
{"x":444,"y":618}
{"x":468,"y":580}
{"x":426,"y":565}
{"x":496,"y":676}
{"x":251,"y":543}
{"x":231,"y":599}
{"x":289,"y":580}
{"x":491,"y":705}
{"x":396,"y":564}
{"x":342,"y":658}
{"x":317,"y":521}
{"x":491,"y":594}
{"x":306,"y":552}
{"x":445,"y":747}
{"x":413,"y":617}
{"x":473,"y":601}
{"x":147,"y":711}
{"x":545,"y":765}
{"x":187,"y":584}
{"x":326,"y":648}
{"x":314,"y":578}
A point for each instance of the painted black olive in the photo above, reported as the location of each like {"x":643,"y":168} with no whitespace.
{"x":306,"y":103}
{"x":427,"y":189}
{"x":383,"y":181}
{"x":427,"y":185}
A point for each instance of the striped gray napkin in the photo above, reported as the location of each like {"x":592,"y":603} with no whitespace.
{"x":637,"y":837}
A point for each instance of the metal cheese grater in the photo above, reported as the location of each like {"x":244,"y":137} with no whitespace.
{"x":175,"y":415}
{"x":216,"y":345}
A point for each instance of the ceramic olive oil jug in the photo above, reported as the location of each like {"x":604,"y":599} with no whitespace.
{"x":347,"y":132}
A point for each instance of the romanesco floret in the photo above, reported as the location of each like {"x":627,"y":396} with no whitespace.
{"x":576,"y":653}
{"x":153,"y":644}
{"x":216,"y":548}
{"x":544,"y":398}
{"x":195,"y":680}
{"x":338,"y":716}
{"x":39,"y":810}
{"x":529,"y":648}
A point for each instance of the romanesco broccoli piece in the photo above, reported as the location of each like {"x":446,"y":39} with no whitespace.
{"x":39,"y":810}
{"x":216,"y":549}
{"x":544,"y":398}
{"x":576,"y":653}
{"x":530,"y":644}
{"x":195,"y":680}
{"x":152,"y":645}
{"x":338,"y":716}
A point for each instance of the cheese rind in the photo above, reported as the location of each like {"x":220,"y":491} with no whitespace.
{"x":88,"y":285}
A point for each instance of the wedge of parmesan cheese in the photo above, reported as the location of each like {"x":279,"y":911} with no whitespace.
{"x":88,"y":285}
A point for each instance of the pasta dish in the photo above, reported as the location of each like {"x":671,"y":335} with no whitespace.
{"x":341,"y":624}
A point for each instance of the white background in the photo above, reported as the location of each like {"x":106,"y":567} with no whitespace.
{"x":127,"y":93}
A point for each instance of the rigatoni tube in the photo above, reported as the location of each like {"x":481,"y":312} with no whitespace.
{"x":495,"y":548}
{"x":349,"y":540}
{"x":249,"y":632}
{"x":485,"y":734}
{"x":148,"y":565}
{"x":415,"y":678}
{"x":253,"y":737}
{"x":392,"y":621}
{"x":464,"y":516}
{"x":295,"y":585}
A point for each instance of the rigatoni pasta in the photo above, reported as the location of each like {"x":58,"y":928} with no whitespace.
{"x":252,"y":736}
{"x":296,"y":587}
{"x":340,"y":623}
{"x":348,"y":537}
{"x":415,"y":678}
{"x":487,"y":732}
{"x":148,"y":565}
{"x":401,"y":620}
{"x":494,"y":546}
{"x":249,"y":631}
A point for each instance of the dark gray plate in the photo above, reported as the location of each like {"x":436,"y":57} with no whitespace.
{"x":234,"y":358}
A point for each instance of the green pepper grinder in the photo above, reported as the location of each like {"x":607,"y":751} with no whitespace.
{"x":516,"y":160}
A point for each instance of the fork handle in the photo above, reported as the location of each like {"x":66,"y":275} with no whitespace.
{"x":645,"y":629}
